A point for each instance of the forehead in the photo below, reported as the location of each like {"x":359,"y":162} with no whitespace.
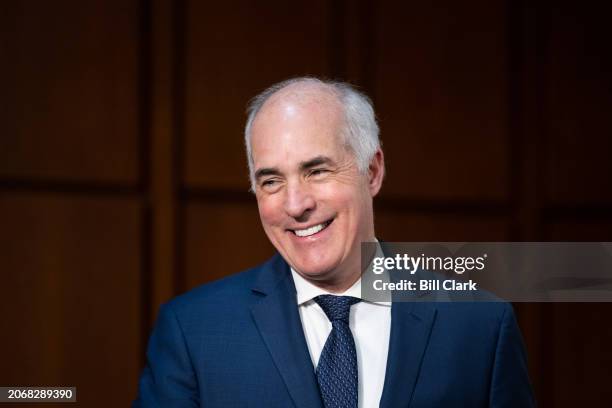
{"x":296,"y":126}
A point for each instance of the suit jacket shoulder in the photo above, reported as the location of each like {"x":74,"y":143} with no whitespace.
{"x":234,"y":342}
{"x":239,"y":342}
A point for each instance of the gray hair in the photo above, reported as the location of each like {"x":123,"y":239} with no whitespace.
{"x":360,"y":128}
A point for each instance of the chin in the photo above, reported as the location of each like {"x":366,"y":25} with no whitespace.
{"x":316,"y":270}
{"x":312,"y":270}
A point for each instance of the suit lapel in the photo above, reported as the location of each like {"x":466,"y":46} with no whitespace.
{"x":278,"y":321}
{"x":411,"y":324}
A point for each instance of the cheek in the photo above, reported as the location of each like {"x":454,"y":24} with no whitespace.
{"x":344,"y":199}
{"x":336,"y":194}
{"x":269,"y":212}
{"x":356,"y":207}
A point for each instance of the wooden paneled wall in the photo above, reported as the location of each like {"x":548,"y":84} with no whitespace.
{"x":123,"y":180}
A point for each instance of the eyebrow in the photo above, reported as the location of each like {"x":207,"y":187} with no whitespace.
{"x":305,"y":165}
{"x":316,"y":161}
{"x":266,"y":171}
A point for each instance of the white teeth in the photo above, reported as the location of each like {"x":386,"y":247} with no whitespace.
{"x":310,"y":231}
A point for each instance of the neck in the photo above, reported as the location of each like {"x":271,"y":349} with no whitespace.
{"x":341,"y":279}
{"x":339,"y":286}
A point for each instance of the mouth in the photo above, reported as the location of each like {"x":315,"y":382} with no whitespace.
{"x":306,"y":232}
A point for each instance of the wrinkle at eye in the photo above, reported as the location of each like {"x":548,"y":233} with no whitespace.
{"x":347,"y":172}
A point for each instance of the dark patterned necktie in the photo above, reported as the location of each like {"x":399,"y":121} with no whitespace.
{"x":337,"y":368}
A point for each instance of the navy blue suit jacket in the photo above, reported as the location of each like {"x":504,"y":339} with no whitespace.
{"x":238,"y":342}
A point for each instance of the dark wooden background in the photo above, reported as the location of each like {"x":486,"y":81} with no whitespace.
{"x":123,"y":179}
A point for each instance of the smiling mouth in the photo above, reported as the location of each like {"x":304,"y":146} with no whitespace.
{"x":312,"y":230}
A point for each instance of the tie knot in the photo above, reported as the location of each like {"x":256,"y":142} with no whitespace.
{"x":336,"y":307}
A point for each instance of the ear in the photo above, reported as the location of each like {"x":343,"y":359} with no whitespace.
{"x":376,"y":172}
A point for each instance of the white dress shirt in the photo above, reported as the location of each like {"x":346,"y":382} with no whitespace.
{"x":370,"y":324}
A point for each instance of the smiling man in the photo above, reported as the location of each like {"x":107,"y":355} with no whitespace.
{"x":314,"y":193}
{"x":295,"y":331}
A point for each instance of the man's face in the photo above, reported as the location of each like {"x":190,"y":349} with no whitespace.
{"x":315,"y":205}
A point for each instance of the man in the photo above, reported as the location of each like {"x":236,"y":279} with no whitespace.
{"x":294,"y":331}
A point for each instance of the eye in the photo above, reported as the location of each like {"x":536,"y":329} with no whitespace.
{"x":317,"y":172}
{"x":267,"y":183}
{"x":270,"y":185}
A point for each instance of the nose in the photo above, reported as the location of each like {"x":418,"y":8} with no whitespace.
{"x":299,"y":200}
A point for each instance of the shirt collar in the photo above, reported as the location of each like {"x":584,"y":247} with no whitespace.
{"x":306,"y":291}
